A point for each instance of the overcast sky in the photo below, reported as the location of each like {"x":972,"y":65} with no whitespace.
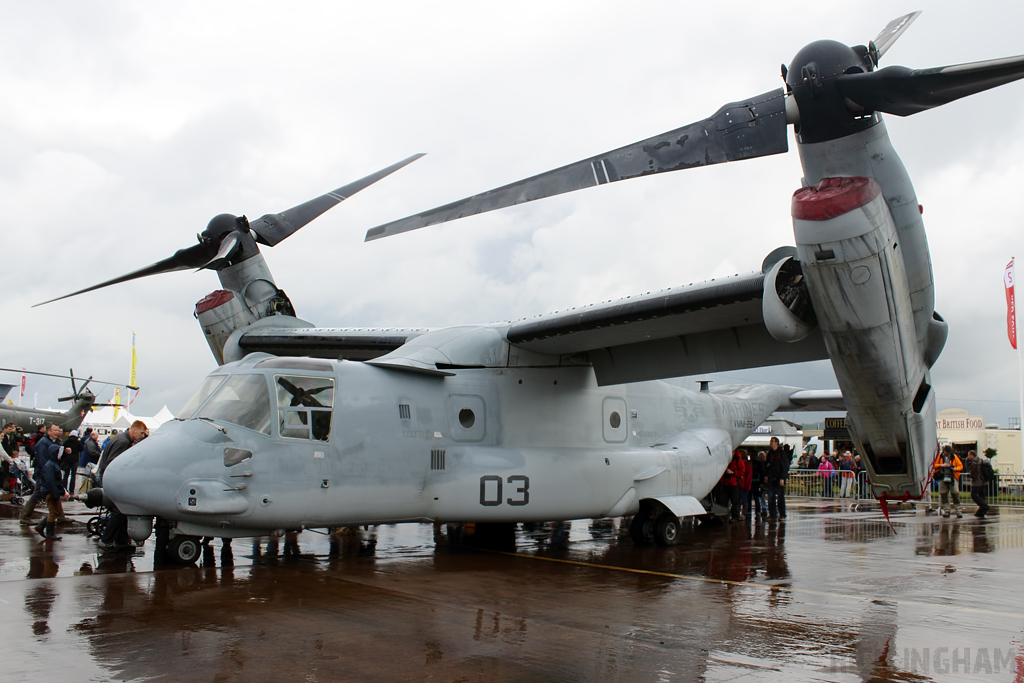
{"x":126,"y":126}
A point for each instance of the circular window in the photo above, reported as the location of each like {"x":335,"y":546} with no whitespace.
{"x":614,"y":420}
{"x":466,"y":418}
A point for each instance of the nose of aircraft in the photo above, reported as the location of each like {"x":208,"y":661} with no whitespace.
{"x":143,"y":479}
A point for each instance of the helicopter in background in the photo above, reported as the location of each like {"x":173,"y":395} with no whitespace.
{"x":28,"y":420}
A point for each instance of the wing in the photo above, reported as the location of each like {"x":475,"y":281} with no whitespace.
{"x":711,"y":326}
{"x":349,"y":343}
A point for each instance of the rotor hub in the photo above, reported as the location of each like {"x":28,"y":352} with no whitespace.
{"x":825,"y":113}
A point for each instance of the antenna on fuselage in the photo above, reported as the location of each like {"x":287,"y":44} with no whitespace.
{"x":705,"y":385}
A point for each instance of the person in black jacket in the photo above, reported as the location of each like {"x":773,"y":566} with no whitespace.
{"x":48,"y":452}
{"x":778,"y":470}
{"x":69,"y":461}
{"x":759,"y":470}
{"x":115,"y":535}
{"x":50,"y":437}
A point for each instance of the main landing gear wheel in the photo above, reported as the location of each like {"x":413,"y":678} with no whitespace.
{"x":184,"y":549}
{"x":641,"y":529}
{"x":667,"y":529}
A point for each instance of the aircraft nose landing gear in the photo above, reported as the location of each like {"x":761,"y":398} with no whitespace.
{"x":184,"y":549}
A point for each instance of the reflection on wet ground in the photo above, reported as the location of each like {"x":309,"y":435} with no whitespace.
{"x":828,"y":595}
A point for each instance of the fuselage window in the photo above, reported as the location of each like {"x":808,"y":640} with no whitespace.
{"x":242,"y":400}
{"x":304,"y":406}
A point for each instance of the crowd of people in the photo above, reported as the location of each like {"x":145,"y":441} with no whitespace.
{"x":839,"y":472}
{"x":755,"y":488}
{"x":56,"y":463}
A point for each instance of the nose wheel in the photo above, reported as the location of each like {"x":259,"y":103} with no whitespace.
{"x":184,"y":549}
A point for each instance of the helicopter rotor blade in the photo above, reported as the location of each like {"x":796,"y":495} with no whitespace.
{"x":212,"y":252}
{"x":902,"y":91}
{"x":48,"y":374}
{"x":272,"y":228}
{"x":183,"y":259}
{"x":228,"y":246}
{"x":889,"y":35}
{"x":740,"y":130}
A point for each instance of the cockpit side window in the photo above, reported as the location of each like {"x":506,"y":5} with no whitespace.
{"x":242,"y":400}
{"x":200,"y":396}
{"x":304,"y":406}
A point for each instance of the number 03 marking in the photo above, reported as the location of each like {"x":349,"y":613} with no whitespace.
{"x":491,"y":485}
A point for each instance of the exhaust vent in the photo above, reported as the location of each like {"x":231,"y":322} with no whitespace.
{"x":437,"y":459}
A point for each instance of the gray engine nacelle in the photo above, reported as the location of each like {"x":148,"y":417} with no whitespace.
{"x":248,"y":295}
{"x":852,"y":257}
{"x":786,"y":305}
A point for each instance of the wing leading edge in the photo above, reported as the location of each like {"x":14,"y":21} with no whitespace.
{"x":712,"y":326}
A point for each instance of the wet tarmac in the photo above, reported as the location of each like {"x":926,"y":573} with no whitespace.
{"x":828,"y":595}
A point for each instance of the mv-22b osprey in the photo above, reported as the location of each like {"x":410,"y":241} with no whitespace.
{"x":558,"y":417}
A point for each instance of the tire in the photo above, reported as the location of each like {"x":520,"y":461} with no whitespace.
{"x":95,"y":526}
{"x":667,"y":529}
{"x":184,"y":549}
{"x":641,"y":529}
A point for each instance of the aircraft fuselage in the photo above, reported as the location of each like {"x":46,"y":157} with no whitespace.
{"x":376,"y":445}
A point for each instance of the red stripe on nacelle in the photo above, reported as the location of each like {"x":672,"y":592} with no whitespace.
{"x":833,"y":197}
{"x":213,"y":300}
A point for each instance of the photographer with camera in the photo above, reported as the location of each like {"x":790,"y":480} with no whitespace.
{"x":947,"y":471}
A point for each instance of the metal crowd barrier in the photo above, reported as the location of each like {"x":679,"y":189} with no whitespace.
{"x":1008,"y":489}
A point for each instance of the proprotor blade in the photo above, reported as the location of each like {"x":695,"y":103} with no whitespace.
{"x":183,"y":259}
{"x":224,"y":235}
{"x":902,"y":91}
{"x":740,"y":130}
{"x":272,"y":228}
{"x":889,"y":35}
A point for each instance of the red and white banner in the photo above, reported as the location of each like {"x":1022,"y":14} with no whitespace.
{"x":1011,"y":308}
{"x":22,"y":386}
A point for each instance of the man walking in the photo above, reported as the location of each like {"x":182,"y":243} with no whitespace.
{"x":52,"y":487}
{"x":778,"y":470}
{"x":40,"y":455}
{"x":979,"y":481}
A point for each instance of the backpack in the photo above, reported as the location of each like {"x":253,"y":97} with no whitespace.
{"x":987,"y":474}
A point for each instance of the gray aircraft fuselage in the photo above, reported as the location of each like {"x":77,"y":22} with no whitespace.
{"x":484,"y":445}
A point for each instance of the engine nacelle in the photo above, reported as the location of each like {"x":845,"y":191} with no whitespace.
{"x":249,"y":295}
{"x":219,"y":314}
{"x":786,"y":305}
{"x":852,"y":257}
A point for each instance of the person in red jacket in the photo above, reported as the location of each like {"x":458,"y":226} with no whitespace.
{"x":733,"y":479}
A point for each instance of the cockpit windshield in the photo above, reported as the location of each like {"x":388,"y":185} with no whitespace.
{"x":243,"y":400}
{"x":304,"y":406}
{"x":200,"y":396}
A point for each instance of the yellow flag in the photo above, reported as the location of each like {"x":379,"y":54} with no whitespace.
{"x":132,"y":380}
{"x":117,"y":399}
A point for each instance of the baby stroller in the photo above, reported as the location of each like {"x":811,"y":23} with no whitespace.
{"x":23,"y":484}
{"x":98,"y":522}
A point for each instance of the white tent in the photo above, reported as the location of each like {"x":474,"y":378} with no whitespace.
{"x":103,"y":419}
